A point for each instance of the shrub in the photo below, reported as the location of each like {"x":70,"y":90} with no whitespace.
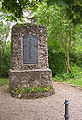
{"x":56,"y":61}
{"x":5,"y":58}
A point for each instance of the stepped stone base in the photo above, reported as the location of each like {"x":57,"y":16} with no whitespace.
{"x":32,"y":78}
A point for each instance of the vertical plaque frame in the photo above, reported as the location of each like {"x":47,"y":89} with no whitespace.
{"x":30,"y":49}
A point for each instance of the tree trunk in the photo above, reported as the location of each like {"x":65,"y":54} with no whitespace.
{"x":67,"y":64}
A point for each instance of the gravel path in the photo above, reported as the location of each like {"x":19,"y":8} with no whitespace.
{"x":47,"y":108}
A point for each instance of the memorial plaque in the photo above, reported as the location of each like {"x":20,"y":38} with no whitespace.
{"x":30,"y":49}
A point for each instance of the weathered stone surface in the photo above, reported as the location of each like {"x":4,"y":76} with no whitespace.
{"x":18,"y":32}
{"x":26,"y":78}
{"x":29,"y":60}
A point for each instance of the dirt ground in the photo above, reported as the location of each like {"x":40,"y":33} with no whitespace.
{"x":47,"y":108}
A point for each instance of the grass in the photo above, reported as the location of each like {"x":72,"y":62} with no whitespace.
{"x":74,"y":78}
{"x":76,"y":81}
{"x":4,"y":81}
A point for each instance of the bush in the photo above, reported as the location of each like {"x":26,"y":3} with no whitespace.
{"x":76,"y":74}
{"x":56,"y":61}
{"x":76,"y":58}
{"x":64,"y":76}
{"x":76,"y":71}
{"x":5,"y":60}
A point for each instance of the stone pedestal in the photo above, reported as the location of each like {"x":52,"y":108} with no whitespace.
{"x":29,"y":62}
{"x":31,"y":78}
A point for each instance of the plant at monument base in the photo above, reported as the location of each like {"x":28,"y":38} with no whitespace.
{"x":20,"y":90}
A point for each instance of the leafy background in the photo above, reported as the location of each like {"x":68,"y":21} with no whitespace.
{"x":62,"y":19}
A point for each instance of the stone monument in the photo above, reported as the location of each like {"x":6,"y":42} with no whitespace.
{"x":30,"y":76}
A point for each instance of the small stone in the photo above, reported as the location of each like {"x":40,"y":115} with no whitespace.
{"x":47,"y":94}
{"x":25,"y":86}
{"x":19,"y":96}
{"x":41,"y":31}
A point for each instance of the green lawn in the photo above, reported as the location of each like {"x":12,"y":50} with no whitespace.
{"x":76,"y":81}
{"x":4,"y":81}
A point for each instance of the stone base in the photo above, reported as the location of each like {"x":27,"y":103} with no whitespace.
{"x":31,"y":78}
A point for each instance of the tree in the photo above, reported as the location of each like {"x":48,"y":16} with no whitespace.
{"x":59,"y":27}
{"x":73,"y":8}
{"x":4,"y":32}
{"x":17,"y":7}
{"x":5,"y":61}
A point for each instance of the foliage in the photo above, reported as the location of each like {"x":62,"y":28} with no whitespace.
{"x":5,"y":58}
{"x":73,"y":8}
{"x":15,"y":9}
{"x":76,"y":48}
{"x":76,"y":82}
{"x":4,"y":81}
{"x":63,"y":76}
{"x":56,"y":61}
{"x":34,"y":89}
{"x":60,"y":28}
{"x":4,"y":48}
{"x":75,"y":58}
{"x":76,"y":71}
{"x":74,"y":78}
{"x":4,"y":32}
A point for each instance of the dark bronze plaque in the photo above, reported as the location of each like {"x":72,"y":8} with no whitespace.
{"x":30,"y":49}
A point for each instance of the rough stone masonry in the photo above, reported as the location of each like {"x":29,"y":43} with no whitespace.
{"x":29,"y":59}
